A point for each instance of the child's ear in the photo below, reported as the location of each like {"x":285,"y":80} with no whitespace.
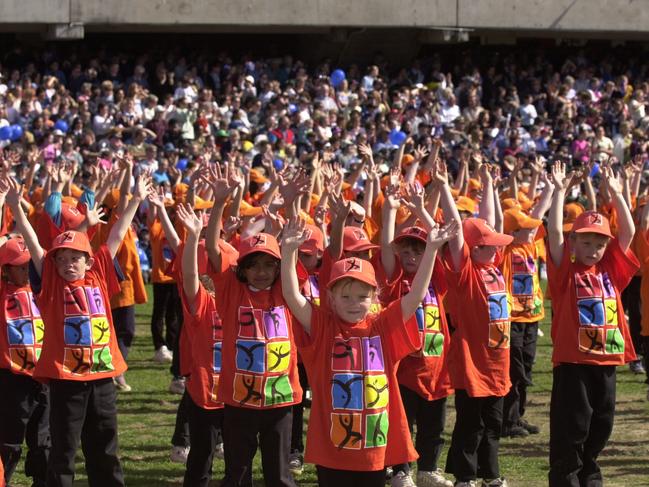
{"x":90,"y":262}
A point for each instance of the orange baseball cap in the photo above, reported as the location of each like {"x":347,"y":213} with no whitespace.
{"x":314,"y":242}
{"x":14,"y":252}
{"x":262,"y":242}
{"x":514,"y":219}
{"x":257,"y":177}
{"x":592,"y":222}
{"x":72,"y":239}
{"x":508,"y":203}
{"x":478,"y":232}
{"x":355,"y":239}
{"x":417,"y":233}
{"x":354,"y":268}
{"x":71,"y":217}
{"x":570,"y":213}
{"x":201,"y":204}
{"x":464,"y":203}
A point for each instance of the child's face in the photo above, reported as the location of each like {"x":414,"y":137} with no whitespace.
{"x":484,"y":254}
{"x":71,"y":264}
{"x":262,"y":271}
{"x":589,"y":248}
{"x":524,"y":235}
{"x":18,"y":275}
{"x":352,"y":299}
{"x":410,"y":252}
{"x":309,"y":261}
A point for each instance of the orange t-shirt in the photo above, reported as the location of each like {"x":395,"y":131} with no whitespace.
{"x":522,"y":278}
{"x":641,"y":250}
{"x":79,"y":341}
{"x":161,"y":254}
{"x":20,"y":345}
{"x":357,"y":418}
{"x":478,"y":301}
{"x":259,"y":359}
{"x":425,"y":371}
{"x":588,"y":323}
{"x":205,"y":330}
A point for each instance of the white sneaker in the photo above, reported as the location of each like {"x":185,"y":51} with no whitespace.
{"x":296,"y":463}
{"x":177,"y":386}
{"x":432,"y":479}
{"x":501,"y":482}
{"x":179,"y":454}
{"x":218,"y":451}
{"x":539,"y":332}
{"x":163,"y":355}
{"x":402,"y":479}
{"x":467,"y":483}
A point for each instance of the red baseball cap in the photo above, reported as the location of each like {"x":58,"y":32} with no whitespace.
{"x":14,"y":252}
{"x":592,"y":222}
{"x":71,"y":217}
{"x":262,"y":242}
{"x":355,"y":240}
{"x":71,"y":239}
{"x":478,"y":232}
{"x":314,"y":242}
{"x":417,"y":233}
{"x":354,"y":268}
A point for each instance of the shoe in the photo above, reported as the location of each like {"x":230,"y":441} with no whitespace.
{"x":296,"y":463}
{"x":218,"y":451}
{"x":532,"y":429}
{"x":432,"y":479}
{"x":179,"y":454}
{"x":501,"y":482}
{"x":121,"y":385}
{"x":466,"y":483}
{"x":515,"y":431}
{"x":636,"y":367}
{"x":388,"y":473}
{"x":402,"y":479}
{"x":539,"y":332}
{"x":163,"y":355}
{"x":177,"y":386}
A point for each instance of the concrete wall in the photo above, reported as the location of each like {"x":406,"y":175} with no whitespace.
{"x":541,"y":16}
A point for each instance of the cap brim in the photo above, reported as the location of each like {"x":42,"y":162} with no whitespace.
{"x":530,"y":223}
{"x":405,"y":236}
{"x":497,"y":239}
{"x":359,"y":277}
{"x":261,"y":251}
{"x":594,"y":230}
{"x":359,"y":247}
{"x":18,"y":260}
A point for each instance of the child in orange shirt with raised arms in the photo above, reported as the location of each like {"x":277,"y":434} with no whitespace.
{"x":586,"y":276}
{"x":357,"y":425}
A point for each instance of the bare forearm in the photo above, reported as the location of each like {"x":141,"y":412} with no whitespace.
{"x":190,"y":268}
{"x":626,"y":227}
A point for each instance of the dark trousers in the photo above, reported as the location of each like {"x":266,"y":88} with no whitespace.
{"x":84,"y":411}
{"x":124,"y":323}
{"x":243,"y":430}
{"x":522,"y":350}
{"x":632,"y":301}
{"x":297,"y":431}
{"x":581,"y":420}
{"x":24,"y":416}
{"x":329,"y":477}
{"x":167,"y":309}
{"x":429,"y":416}
{"x":476,"y":437}
{"x":181,"y":430}
{"x":204,"y":427}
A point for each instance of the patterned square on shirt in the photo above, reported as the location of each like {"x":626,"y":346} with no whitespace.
{"x":100,"y":330}
{"x":499,"y":334}
{"x":346,"y":431}
{"x":22,"y":359}
{"x":102,"y":360}
{"x":346,"y":355}
{"x":77,"y":330}
{"x":373,"y":354}
{"x":433,"y":318}
{"x":39,"y":330}
{"x":250,"y":356}
{"x":75,"y":302}
{"x":376,"y":429}
{"x":588,"y":285}
{"x":591,"y":312}
{"x":433,"y":345}
{"x":275,"y":323}
{"x":278,"y":356}
{"x":347,"y":391}
{"x":250,"y":322}
{"x":248,"y":389}
{"x":498,"y":307}
{"x":95,"y":301}
{"x":610,"y":308}
{"x":277,"y":390}
{"x":17,"y":306}
{"x":522,"y":284}
{"x":614,"y":341}
{"x":591,"y":340}
{"x":376,"y":391}
{"x":493,"y":280}
{"x":20,"y":332}
{"x":217,"y":357}
{"x":77,"y":360}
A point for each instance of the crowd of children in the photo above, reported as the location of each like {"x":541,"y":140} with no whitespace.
{"x":382,"y":307}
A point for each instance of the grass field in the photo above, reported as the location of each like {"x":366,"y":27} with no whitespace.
{"x":147,"y":415}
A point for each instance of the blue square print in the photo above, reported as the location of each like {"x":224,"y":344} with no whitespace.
{"x":77,"y":330}
{"x":498,"y":307}
{"x":20,"y":332}
{"x":250,"y":356}
{"x":522,"y":284}
{"x":419,"y":314}
{"x":347,"y":391}
{"x":216,"y":365}
{"x":591,"y":312}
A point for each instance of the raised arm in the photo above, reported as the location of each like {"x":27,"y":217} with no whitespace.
{"x":389,"y":216}
{"x":487,"y":209}
{"x":126,"y":165}
{"x":293,"y":236}
{"x":625,"y":225}
{"x":156,"y":204}
{"x":340,"y":210}
{"x":193,"y":225}
{"x":542,"y":207}
{"x":456,"y":243}
{"x":222,"y":190}
{"x":555,"y":217}
{"x":119,"y":229}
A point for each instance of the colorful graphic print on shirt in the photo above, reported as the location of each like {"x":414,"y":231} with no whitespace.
{"x":526,"y":299}
{"x":498,"y":307}
{"x":25,"y":330}
{"x":86,"y":332}
{"x":263,"y":358}
{"x":217,"y":357}
{"x":429,"y":322}
{"x":598,"y":314}
{"x":359,"y":393}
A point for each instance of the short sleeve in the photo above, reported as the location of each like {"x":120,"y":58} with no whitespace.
{"x":461,"y":275}
{"x":104,"y":267}
{"x":200,"y":302}
{"x":401,"y":338}
{"x":621,"y":266}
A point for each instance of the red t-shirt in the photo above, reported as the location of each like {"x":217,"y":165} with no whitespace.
{"x":478,"y":358}
{"x":588,"y":323}
{"x":357,"y":419}
{"x":259,"y":359}
{"x":425,"y":371}
{"x":79,"y":341}
{"x":20,"y":344}
{"x":522,"y":279}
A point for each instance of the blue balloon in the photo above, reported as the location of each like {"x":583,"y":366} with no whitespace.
{"x":337,"y":77}
{"x":397,"y":137}
{"x":182,"y":164}
{"x":61,"y":125}
{"x":5,"y":133}
{"x":16,"y":132}
{"x":278,"y":164}
{"x":595,"y":170}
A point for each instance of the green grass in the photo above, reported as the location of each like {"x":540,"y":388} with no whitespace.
{"x":147,"y":415}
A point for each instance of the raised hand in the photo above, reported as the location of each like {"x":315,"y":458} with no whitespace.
{"x":561,"y":181}
{"x":339,"y":208}
{"x":143,"y":187}
{"x":612,"y":181}
{"x":420,"y":153}
{"x":94,"y":216}
{"x":189,"y":219}
{"x":231,"y":225}
{"x":439,"y":236}
{"x":413,"y":198}
{"x":294,"y":233}
{"x":14,"y":193}
{"x":220,"y":184}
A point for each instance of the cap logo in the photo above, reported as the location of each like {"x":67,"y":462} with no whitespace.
{"x":595,"y":219}
{"x":489,"y":226}
{"x":258,"y":241}
{"x":308,"y":233}
{"x":74,"y":211}
{"x":22,"y":246}
{"x":66,"y":237}
{"x":359,"y":235}
{"x":353,"y":265}
{"x":417,"y":232}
